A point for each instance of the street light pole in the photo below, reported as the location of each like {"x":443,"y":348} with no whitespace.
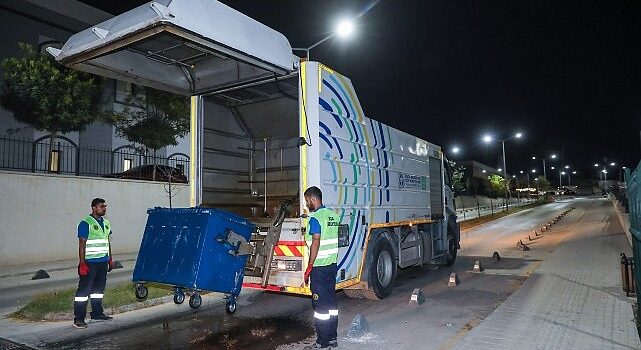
{"x":507,"y":189}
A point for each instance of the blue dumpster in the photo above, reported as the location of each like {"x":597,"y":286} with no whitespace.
{"x":190,"y":249}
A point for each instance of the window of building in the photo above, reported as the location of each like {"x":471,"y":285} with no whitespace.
{"x":54,"y":161}
{"x":126,"y":164}
{"x":128,"y":93}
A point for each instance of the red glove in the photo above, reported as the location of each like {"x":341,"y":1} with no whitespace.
{"x":307,"y":273}
{"x":111,"y":265}
{"x":83,"y":269}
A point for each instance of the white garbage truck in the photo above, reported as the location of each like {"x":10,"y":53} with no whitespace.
{"x":265,"y":126}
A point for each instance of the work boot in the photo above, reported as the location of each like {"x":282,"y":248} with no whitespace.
{"x":80,"y":324}
{"x":317,"y":346}
{"x":102,"y":317}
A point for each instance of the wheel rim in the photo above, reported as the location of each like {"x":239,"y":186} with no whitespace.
{"x":384,"y":268}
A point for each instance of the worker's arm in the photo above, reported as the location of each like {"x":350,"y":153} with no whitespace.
{"x":313,"y":250}
{"x":82,"y":246}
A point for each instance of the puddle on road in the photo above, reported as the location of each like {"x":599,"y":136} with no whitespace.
{"x":252,"y":333}
{"x":197,"y":332}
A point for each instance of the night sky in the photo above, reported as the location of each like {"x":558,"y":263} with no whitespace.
{"x":565,"y":73}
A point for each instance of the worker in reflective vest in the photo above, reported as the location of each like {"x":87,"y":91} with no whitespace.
{"x":322,"y":241}
{"x":94,"y":252}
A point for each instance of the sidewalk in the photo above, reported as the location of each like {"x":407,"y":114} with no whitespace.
{"x":572,"y":301}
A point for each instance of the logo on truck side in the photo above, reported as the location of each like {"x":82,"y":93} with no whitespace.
{"x":411,"y":181}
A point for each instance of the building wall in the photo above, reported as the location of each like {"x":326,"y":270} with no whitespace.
{"x":56,"y":20}
{"x":40,"y":213}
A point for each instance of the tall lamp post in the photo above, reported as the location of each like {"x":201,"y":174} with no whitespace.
{"x":344,"y":29}
{"x":553,"y":156}
{"x":488,"y":139}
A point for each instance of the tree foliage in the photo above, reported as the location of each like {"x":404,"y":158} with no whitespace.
{"x":154,"y":120}
{"x":497,"y":185}
{"x":46,"y":95}
{"x":458,"y":185}
{"x":542,"y":183}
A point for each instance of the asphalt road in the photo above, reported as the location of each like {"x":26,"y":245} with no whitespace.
{"x":268,"y":321}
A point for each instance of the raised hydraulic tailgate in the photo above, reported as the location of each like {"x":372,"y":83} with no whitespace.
{"x":188,"y":47}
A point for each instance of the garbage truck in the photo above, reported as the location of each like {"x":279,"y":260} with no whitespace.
{"x":265,"y":126}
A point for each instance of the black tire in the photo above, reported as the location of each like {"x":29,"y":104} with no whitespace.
{"x":230,"y":306}
{"x":382,"y":271}
{"x":141,"y":292}
{"x":195,"y":301}
{"x":179,"y":297}
{"x":452,"y":249}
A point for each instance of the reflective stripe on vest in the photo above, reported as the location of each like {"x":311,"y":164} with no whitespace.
{"x":98,"y":239}
{"x":328,"y":250}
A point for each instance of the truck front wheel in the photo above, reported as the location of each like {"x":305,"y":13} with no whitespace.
{"x":383,"y":268}
{"x":452,"y":248}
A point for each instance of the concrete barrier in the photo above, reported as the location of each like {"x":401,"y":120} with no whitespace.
{"x":40,"y":213}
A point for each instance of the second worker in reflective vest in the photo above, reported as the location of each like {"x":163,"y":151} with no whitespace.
{"x":322,"y":240}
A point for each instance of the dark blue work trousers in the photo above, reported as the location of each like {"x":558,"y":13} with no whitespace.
{"x":323,"y":286}
{"x":91,"y":287}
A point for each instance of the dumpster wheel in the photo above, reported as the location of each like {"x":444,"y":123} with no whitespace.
{"x":179,"y":296}
{"x":195,"y":300}
{"x":141,"y":292}
{"x":230,"y":305}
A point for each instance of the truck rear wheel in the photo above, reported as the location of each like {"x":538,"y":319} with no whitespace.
{"x":382,"y":271}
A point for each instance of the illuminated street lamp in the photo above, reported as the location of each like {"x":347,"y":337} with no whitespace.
{"x":343,"y":30}
{"x":455,"y":150}
{"x":488,"y":139}
{"x":553,"y":156}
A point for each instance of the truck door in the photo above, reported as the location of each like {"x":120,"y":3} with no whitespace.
{"x":188,"y":47}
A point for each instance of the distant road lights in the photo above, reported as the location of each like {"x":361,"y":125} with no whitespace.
{"x":487,"y":138}
{"x":613,"y":164}
{"x":534,"y":170}
{"x":604,"y":171}
{"x":499,"y":169}
{"x":455,"y":150}
{"x":596,"y":165}
{"x":574,"y":173}
{"x":518,"y":135}
{"x":563,"y":173}
{"x":484,"y":171}
{"x":552,"y":167}
{"x":533,"y":157}
{"x":553,"y":156}
{"x":521,"y":171}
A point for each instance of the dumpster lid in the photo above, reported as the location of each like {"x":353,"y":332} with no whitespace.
{"x":182,"y":46}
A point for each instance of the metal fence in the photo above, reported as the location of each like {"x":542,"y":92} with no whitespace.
{"x":65,"y":157}
{"x":633,"y":184}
